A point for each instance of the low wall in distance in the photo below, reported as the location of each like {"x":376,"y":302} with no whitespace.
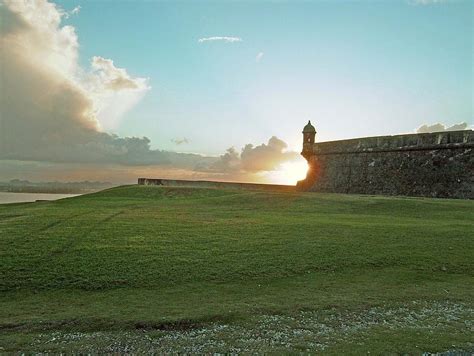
{"x":214,"y":184}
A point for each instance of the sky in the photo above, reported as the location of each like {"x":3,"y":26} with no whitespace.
{"x":221,"y":90}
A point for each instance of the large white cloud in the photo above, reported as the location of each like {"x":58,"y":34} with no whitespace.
{"x":52,"y":110}
{"x":50,"y":106}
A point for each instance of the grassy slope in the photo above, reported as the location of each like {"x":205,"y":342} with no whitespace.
{"x":162,"y":257}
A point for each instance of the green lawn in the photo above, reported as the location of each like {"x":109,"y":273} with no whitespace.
{"x":141,"y":269}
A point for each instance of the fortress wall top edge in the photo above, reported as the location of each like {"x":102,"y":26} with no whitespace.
{"x":418,"y":141}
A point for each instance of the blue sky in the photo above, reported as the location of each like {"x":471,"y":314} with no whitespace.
{"x":358,"y":68}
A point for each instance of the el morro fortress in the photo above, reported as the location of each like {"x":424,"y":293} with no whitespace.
{"x":437,"y":165}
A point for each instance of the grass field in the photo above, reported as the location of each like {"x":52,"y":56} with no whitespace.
{"x":141,"y":269}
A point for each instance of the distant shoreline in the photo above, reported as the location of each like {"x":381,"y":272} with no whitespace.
{"x":45,"y":190}
{"x":25,"y":186}
{"x":26,"y":197}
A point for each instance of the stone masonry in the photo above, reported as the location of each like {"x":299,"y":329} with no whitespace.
{"x":439,"y":165}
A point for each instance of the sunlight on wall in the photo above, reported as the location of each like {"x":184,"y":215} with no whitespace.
{"x":289,"y":173}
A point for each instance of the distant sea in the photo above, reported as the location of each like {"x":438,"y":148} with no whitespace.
{"x":6,"y":197}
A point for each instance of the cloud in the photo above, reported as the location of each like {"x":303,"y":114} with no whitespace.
{"x":109,"y":77}
{"x":438,"y":127}
{"x":220,"y":38}
{"x":68,"y":14}
{"x":180,"y":141}
{"x":228,"y":162}
{"x":259,"y":57}
{"x":35,"y":44}
{"x":50,"y":106}
{"x":427,"y":2}
{"x":113,"y":91}
{"x":266,"y":157}
{"x":253,"y":159}
{"x":76,"y":10}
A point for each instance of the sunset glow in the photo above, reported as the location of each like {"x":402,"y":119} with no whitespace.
{"x":289,"y":173}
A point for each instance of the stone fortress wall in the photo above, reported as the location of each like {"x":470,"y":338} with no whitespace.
{"x":437,"y":164}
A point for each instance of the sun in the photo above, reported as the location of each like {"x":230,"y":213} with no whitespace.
{"x":289,"y":173}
